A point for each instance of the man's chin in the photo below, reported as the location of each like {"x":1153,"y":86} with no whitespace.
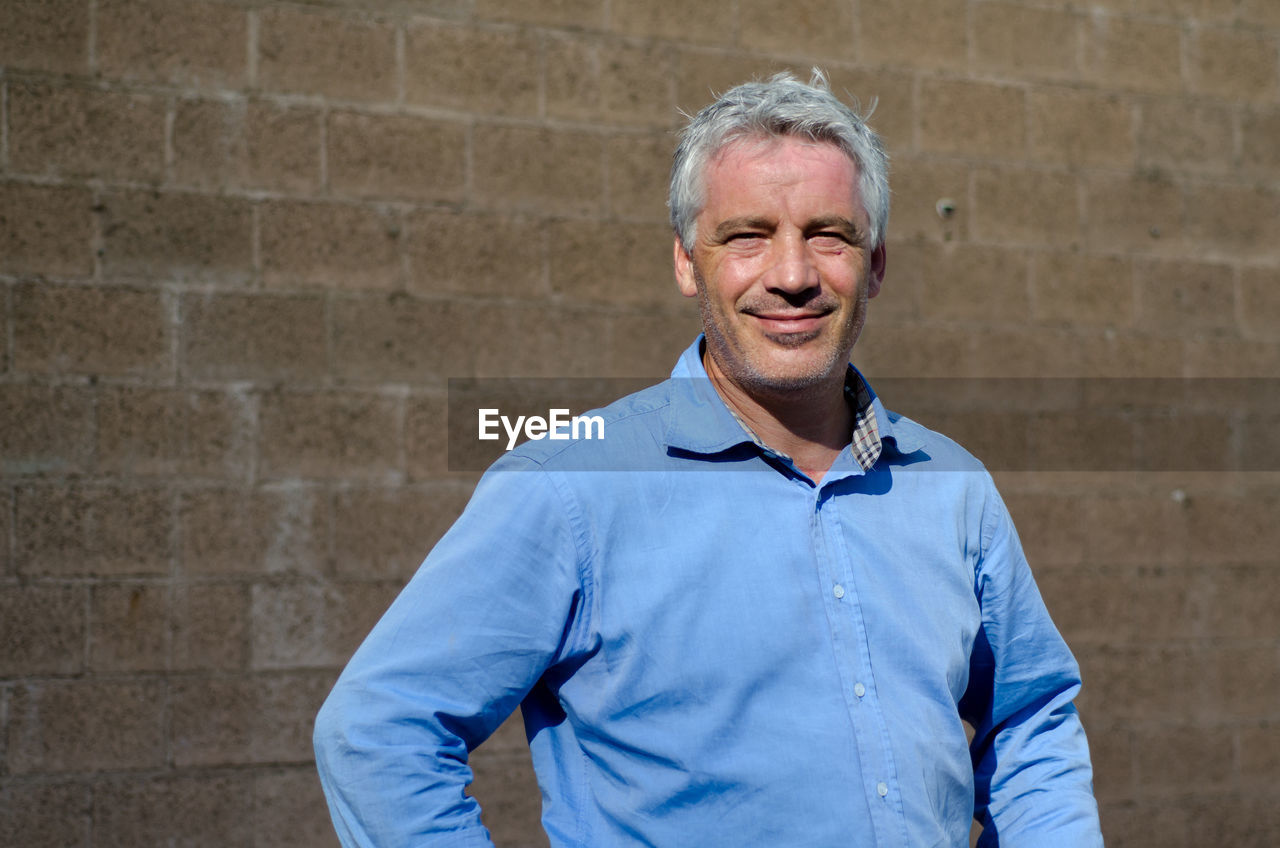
{"x":789,"y":376}
{"x":778,"y":364}
{"x":791,"y":341}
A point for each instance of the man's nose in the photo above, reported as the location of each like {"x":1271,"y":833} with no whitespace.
{"x":792,"y":269}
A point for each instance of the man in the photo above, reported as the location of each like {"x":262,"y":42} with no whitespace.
{"x":760,"y":610}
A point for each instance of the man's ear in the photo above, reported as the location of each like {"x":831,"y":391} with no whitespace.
{"x":685,"y":279}
{"x":875,"y":271}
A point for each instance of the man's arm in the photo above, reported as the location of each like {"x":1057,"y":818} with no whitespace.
{"x":490,"y":609}
{"x":1031,"y":761}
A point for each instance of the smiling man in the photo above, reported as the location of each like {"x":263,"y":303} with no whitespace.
{"x":762,"y":610}
{"x":782,"y":269}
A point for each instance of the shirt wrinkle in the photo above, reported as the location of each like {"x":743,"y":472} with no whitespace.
{"x":749,"y":663}
{"x":577,"y":527}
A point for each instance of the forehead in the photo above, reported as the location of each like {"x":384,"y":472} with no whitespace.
{"x":754,"y":170}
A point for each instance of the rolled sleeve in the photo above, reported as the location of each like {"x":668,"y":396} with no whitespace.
{"x":486,"y":614}
{"x":1032,"y":772}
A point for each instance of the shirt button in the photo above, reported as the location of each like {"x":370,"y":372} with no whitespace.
{"x":859,"y":689}
{"x":838,"y":591}
{"x":882,"y":788}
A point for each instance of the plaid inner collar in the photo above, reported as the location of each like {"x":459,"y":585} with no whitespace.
{"x":865,"y":440}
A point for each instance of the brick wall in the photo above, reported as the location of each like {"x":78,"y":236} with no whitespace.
{"x":244,"y":243}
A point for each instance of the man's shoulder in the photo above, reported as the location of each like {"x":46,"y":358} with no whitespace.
{"x":927,"y":449}
{"x":622,"y":435}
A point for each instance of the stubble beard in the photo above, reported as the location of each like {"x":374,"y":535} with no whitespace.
{"x":738,"y":366}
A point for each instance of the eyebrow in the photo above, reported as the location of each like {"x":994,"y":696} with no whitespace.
{"x":730,"y":226}
{"x":837,"y":222}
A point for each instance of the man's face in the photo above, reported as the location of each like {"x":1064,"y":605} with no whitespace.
{"x":780,"y":264}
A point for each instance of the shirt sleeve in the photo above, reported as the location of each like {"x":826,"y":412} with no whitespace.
{"x":491,"y":608}
{"x":1033,"y":779}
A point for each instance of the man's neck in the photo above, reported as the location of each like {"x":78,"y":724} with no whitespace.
{"x":810,"y":425}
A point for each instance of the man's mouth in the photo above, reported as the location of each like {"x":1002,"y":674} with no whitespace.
{"x":788,"y":322}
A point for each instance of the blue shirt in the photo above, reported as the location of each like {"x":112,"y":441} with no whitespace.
{"x":710,"y":650}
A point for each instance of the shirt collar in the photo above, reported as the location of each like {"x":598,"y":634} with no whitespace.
{"x":903,"y":441}
{"x":702,"y":423}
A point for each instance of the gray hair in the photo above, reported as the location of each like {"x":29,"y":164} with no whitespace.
{"x":781,"y":106}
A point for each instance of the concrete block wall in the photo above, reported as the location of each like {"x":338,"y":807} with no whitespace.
{"x":244,"y":243}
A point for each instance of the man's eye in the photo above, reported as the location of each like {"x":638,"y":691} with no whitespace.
{"x":829,"y":242}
